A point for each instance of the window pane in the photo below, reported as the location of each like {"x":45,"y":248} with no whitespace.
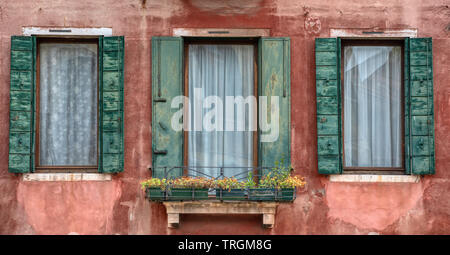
{"x":68,"y":104}
{"x":372,"y":106}
{"x":222,"y":71}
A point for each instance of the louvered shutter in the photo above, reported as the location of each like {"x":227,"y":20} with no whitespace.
{"x":21,"y":106}
{"x":111,"y":78}
{"x":328,"y":98}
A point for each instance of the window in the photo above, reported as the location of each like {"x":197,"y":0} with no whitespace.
{"x":67,"y":96}
{"x":375,"y":106}
{"x":221,"y":67}
{"x":66,"y":104}
{"x":218,"y":75}
{"x":372,"y":105}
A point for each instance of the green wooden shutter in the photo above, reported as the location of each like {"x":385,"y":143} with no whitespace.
{"x":274,"y":80}
{"x":111,"y":75}
{"x":421,"y":117}
{"x":329,"y":152}
{"x":167,"y":83}
{"x":21,"y":106}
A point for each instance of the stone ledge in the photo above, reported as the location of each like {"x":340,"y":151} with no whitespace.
{"x":221,"y":32}
{"x":67,"y":31}
{"x":57,"y":177}
{"x":374,"y":178}
{"x":370,"y":32}
{"x":175,"y":208}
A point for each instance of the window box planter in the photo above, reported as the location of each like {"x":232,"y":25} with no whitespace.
{"x":286,"y":195}
{"x":269,"y":194}
{"x":175,"y":194}
{"x":233,"y":194}
{"x":155,"y":194}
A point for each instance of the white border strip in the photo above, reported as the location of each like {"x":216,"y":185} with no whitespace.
{"x":358,"y":32}
{"x":374,"y":178}
{"x":221,"y":32}
{"x":70,"y":31}
{"x":58,"y":177}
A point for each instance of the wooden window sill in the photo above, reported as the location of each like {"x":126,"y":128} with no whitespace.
{"x":175,"y":208}
{"x":57,"y":177}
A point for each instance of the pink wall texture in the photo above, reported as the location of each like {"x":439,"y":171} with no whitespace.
{"x":324,"y":207}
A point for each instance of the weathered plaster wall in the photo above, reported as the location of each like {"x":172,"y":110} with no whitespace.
{"x":119,"y":207}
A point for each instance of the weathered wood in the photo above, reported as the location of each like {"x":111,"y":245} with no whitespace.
{"x":328,"y":164}
{"x":327,"y":125}
{"x":167,"y":83}
{"x":326,"y":88}
{"x":421,"y":120}
{"x":21,"y":80}
{"x":274,"y":80}
{"x":111,"y":138}
{"x":21,"y":60}
{"x":20,"y":143}
{"x":21,"y":104}
{"x":328,"y":145}
{"x":328,"y":105}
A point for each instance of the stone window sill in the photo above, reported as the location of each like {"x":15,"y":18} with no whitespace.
{"x":57,"y":177}
{"x":378,"y":178}
{"x":175,"y":208}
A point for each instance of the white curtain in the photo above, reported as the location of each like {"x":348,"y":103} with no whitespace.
{"x":372,"y":106}
{"x":220,"y":70}
{"x":68,"y":104}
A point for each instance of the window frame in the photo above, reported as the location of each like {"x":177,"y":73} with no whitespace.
{"x":69,"y":168}
{"x":231,"y":41}
{"x":374,"y":42}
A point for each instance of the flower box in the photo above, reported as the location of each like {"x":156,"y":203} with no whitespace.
{"x":287,"y":194}
{"x":271,"y":194}
{"x":262,"y":194}
{"x":232,"y":194}
{"x":155,"y":194}
{"x":177,"y":194}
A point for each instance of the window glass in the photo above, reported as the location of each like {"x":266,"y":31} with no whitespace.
{"x":217,"y":75}
{"x":372,"y":106}
{"x":67,"y":104}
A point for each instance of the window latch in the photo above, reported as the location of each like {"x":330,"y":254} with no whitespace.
{"x":159,"y":100}
{"x":160,"y":152}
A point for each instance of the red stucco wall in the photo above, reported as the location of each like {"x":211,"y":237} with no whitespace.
{"x":119,"y":207}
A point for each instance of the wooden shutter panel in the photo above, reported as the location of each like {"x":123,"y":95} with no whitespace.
{"x":111,"y":75}
{"x":21,"y":104}
{"x":274,"y":80}
{"x":167,"y":83}
{"x":420,"y":115}
{"x":329,"y":152}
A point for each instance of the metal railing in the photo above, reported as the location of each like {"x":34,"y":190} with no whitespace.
{"x":238,"y":172}
{"x":205,"y":171}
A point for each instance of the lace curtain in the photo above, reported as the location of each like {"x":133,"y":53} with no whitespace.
{"x":372,"y":106}
{"x":68,"y":104}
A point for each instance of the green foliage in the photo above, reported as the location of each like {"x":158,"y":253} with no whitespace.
{"x":155,"y":183}
{"x":250,"y":183}
{"x":279,"y":177}
{"x":229,"y":183}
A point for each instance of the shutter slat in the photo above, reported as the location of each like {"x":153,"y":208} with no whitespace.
{"x":167,"y":83}
{"x":21,"y":105}
{"x":111,"y":137}
{"x":328,"y":106}
{"x":274,"y":73}
{"x":421,"y":137}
